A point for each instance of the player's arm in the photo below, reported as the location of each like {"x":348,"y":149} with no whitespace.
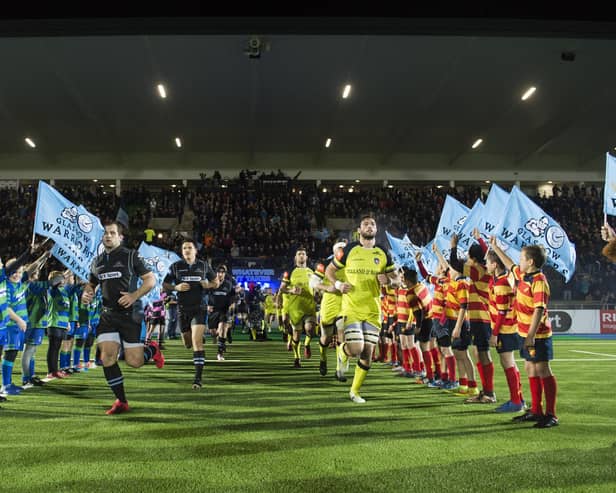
{"x":422,"y":269}
{"x":330,"y":273}
{"x":462,"y":295}
{"x":316,"y":281}
{"x":211,"y":281}
{"x":505,"y":259}
{"x":391,"y":276}
{"x":534,"y":325}
{"x":89,"y":288}
{"x":453,"y":255}
{"x":38,"y":264}
{"x":169,"y":282}
{"x":127,"y":299}
{"x":480,"y":240}
{"x":439,"y":256}
{"x":21,"y":323}
{"x":285,"y":285}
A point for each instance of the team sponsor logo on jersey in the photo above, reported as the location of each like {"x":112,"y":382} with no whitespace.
{"x":103,"y":276}
{"x":190,"y":278}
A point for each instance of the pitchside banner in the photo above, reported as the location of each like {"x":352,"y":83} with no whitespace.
{"x":608,"y":321}
{"x":524,"y":223}
{"x":76,"y":232}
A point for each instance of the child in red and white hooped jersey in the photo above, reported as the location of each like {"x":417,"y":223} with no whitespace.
{"x":421,"y":302}
{"x":478,"y":313}
{"x":405,"y":327}
{"x":533,"y":324}
{"x":440,"y":331}
{"x":504,"y":330}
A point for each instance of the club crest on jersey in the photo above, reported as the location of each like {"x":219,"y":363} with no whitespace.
{"x":377,"y":260}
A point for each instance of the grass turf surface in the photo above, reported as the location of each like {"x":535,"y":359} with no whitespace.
{"x":259,"y":425}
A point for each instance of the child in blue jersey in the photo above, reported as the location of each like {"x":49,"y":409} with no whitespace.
{"x":82,"y":329}
{"x":73,"y":327}
{"x":6,"y":314}
{"x":60,"y":298}
{"x":94,"y":316}
{"x":37,"y":300}
{"x":17,"y":288}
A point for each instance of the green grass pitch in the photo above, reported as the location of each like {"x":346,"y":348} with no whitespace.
{"x":260,"y":426}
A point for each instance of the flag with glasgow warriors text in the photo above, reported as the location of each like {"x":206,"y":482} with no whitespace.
{"x":609,"y":194}
{"x":453,"y":217}
{"x":158,"y":261}
{"x":76,"y":232}
{"x":403,"y":252}
{"x":524,"y":223}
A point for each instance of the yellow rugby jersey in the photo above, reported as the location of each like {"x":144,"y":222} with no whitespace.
{"x":303,"y":302}
{"x":331,"y":303}
{"x":270,"y":306}
{"x":361,"y":266}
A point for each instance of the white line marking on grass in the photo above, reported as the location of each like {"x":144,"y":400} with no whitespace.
{"x":585,"y":360}
{"x":585,"y":341}
{"x":207,"y":361}
{"x":594,"y":354}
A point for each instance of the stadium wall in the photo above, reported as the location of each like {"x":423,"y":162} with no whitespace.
{"x":583,"y":321}
{"x":184,"y":164}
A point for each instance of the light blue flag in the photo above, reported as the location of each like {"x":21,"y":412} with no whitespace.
{"x":76,"y":232}
{"x":403,"y":252}
{"x":452,"y":219}
{"x":609,"y":194}
{"x":158,"y":261}
{"x":474,"y":219}
{"x":493,"y":210}
{"x":525,"y":223}
{"x":122,"y":217}
{"x":428,"y":258}
{"x":492,"y":215}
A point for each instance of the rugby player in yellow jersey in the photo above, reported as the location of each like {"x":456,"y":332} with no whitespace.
{"x":270,"y":308}
{"x":282,"y":317}
{"x":366,"y":267}
{"x":330,"y":313}
{"x":300,"y":306}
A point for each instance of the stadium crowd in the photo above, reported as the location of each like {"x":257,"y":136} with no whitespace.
{"x":270,"y":215}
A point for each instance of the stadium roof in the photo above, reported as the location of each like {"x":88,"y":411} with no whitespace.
{"x":426,"y":89}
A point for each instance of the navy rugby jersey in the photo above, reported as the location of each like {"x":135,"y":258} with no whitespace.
{"x":181,"y":271}
{"x":222,"y":297}
{"x":117,"y":271}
